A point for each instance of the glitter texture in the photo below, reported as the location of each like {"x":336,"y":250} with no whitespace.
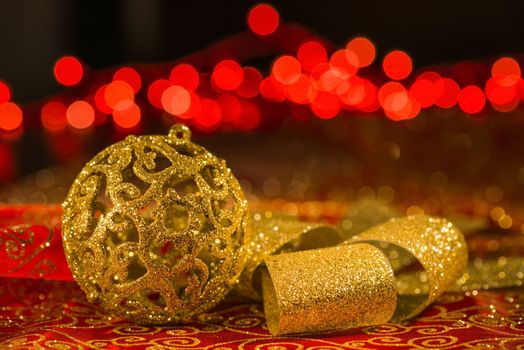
{"x":328,"y":289}
{"x":353,"y":284}
{"x":275,"y":234}
{"x":435,"y":242}
{"x":155,"y":228}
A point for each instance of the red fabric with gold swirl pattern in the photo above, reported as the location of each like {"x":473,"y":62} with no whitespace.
{"x":51,"y":314}
{"x":30,"y":243}
{"x":39,"y":313}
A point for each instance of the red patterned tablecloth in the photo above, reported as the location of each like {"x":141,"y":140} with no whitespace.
{"x":44,"y":314}
{"x":55,"y":315}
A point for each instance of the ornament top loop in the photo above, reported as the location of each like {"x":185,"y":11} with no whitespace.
{"x":179,"y":132}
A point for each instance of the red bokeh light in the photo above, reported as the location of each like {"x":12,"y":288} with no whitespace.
{"x":334,"y":80}
{"x":185,"y":75}
{"x":471,"y":99}
{"x":100,"y":101}
{"x":506,"y":72}
{"x":345,"y":60}
{"x":320,"y":69}
{"x":389,"y":89}
{"x":176,"y":100}
{"x":80,"y":114}
{"x":450,"y":93}
{"x":300,"y":91}
{"x":411,"y":111}
{"x":10,"y":116}
{"x":286,"y":69}
{"x":250,"y":118}
{"x":326,"y":83}
{"x":427,"y":89}
{"x":397,"y":65}
{"x":498,"y":94}
{"x":53,"y":116}
{"x":194,"y":106}
{"x":325,"y":105}
{"x":507,"y":107}
{"x":231,"y":108}
{"x":272,"y":90}
{"x":422,"y":90}
{"x":310,"y":54}
{"x":227,"y":75}
{"x":118,"y":92}
{"x":401,"y":106}
{"x":130,"y":76}
{"x":355,"y":93}
{"x":5,"y":92}
{"x":156,"y":90}
{"x":128,"y":117}
{"x":210,"y":115}
{"x":363,"y":49}
{"x":68,"y":71}
{"x":370,"y":102}
{"x":263,"y":19}
{"x":397,"y":103}
{"x":250,"y":86}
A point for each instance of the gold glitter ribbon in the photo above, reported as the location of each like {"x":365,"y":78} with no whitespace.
{"x":276,"y":234}
{"x":353,"y":284}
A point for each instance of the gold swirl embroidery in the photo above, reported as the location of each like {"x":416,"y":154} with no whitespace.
{"x":61,"y":345}
{"x":42,"y":268}
{"x":15,"y":246}
{"x":14,"y":242}
{"x":439,"y":341}
{"x":63,"y":311}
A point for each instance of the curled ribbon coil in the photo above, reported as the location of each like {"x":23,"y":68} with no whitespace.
{"x":353,"y":284}
{"x":156,"y":230}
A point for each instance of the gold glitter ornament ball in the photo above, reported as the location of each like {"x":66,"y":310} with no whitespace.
{"x":155,"y":228}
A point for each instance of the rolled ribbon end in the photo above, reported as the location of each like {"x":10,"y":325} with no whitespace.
{"x":354,"y":284}
{"x":329,"y":289}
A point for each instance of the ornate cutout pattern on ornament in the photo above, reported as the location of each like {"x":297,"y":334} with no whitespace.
{"x":155,"y":228}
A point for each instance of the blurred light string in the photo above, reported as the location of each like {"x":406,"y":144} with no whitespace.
{"x":213,"y":89}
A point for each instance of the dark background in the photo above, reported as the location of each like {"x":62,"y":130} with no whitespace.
{"x":34,"y":33}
